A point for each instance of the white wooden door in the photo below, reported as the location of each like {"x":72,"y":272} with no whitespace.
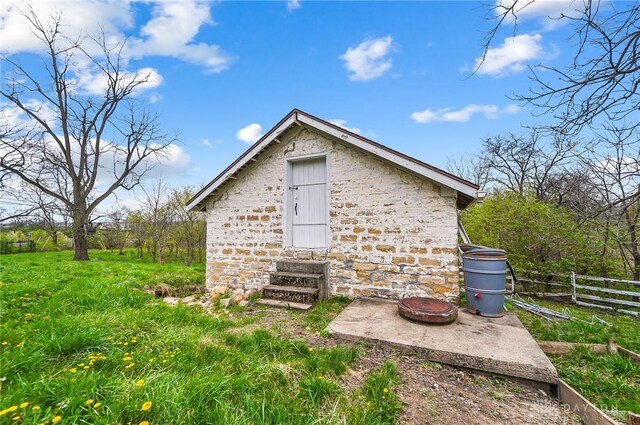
{"x":308,"y":203}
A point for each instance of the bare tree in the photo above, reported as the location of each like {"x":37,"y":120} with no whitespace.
{"x":522,"y":163}
{"x":116,"y":230}
{"x":470,"y":167}
{"x":70,"y":137}
{"x":613,"y":163}
{"x":138,"y":230}
{"x":603,"y":77}
{"x":189,"y":228}
{"x":158,"y":213}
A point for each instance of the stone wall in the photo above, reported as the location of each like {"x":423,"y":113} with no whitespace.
{"x":393,"y":234}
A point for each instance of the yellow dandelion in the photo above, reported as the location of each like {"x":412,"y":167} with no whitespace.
{"x":125,"y":343}
{"x":5,"y":343}
{"x":127,"y":358}
{"x":130,"y":365}
{"x":16,"y":418}
{"x":86,"y":367}
{"x":146,"y":406}
{"x":24,"y":405}
{"x":140,"y":383}
{"x":310,"y":349}
{"x":81,"y":365}
{"x":152,"y":359}
{"x":90,"y":401}
{"x":73,"y":370}
{"x":144,"y":423}
{"x":386,"y":390}
{"x":12,"y":409}
{"x":98,"y":404}
{"x":56,"y":419}
{"x":35,"y":408}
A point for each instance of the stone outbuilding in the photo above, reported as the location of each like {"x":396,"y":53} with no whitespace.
{"x":313,"y":202}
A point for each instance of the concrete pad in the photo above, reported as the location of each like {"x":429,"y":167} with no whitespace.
{"x":501,"y":346}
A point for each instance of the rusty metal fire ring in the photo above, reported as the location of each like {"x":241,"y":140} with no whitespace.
{"x":428,"y":310}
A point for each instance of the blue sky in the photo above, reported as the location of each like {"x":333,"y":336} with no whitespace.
{"x":397,"y":72}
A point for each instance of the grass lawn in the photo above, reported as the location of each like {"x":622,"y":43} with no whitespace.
{"x":80,"y":343}
{"x":610,"y":381}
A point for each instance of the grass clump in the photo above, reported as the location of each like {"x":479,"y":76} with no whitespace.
{"x":378,"y":401}
{"x":82,"y":343}
{"x":317,"y":319}
{"x":610,"y":381}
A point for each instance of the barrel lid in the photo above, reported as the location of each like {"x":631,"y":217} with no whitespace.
{"x":428,"y":310}
{"x":466,"y":247}
{"x":485,"y":253}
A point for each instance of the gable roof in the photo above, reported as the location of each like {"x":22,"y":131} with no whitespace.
{"x":467,"y":191}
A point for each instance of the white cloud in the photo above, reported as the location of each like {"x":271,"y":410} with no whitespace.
{"x":155,"y":97}
{"x":511,"y":109}
{"x":293,"y":5}
{"x":462,"y":115}
{"x":92,"y":81}
{"x":208,"y":143}
{"x":343,"y":123}
{"x":170,"y":32}
{"x":173,"y":161}
{"x":250,"y":133}
{"x":368,"y":60}
{"x":78,"y":18}
{"x":11,"y":116}
{"x":511,"y":56}
{"x":547,"y":11}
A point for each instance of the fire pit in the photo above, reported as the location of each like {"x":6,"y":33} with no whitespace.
{"x":428,"y":310}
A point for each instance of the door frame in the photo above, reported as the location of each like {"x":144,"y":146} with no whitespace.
{"x":288,"y":198}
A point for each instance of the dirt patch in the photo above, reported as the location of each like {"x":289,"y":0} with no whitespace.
{"x":430,"y":392}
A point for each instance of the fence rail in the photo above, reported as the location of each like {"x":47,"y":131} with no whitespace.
{"x":598,"y":292}
{"x":605,"y":293}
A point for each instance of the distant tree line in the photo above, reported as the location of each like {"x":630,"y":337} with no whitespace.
{"x":160,"y":227}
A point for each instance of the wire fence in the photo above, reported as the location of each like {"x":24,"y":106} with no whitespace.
{"x":16,"y":247}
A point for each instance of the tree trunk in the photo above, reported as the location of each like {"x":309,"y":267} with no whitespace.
{"x":80,"y":243}
{"x":54,"y":238}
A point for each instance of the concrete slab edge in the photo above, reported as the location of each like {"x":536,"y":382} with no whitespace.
{"x":469,"y":362}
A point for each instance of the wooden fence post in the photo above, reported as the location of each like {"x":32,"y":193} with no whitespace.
{"x":573,"y":287}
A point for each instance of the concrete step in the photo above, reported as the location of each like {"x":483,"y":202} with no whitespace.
{"x":301,"y":266}
{"x":290,"y":293}
{"x":301,"y":280}
{"x":284,"y":304}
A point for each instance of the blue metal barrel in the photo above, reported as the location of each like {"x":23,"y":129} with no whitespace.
{"x":485,"y":277}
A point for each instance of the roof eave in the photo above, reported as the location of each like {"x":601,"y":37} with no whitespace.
{"x":196,"y":203}
{"x":467,"y":191}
